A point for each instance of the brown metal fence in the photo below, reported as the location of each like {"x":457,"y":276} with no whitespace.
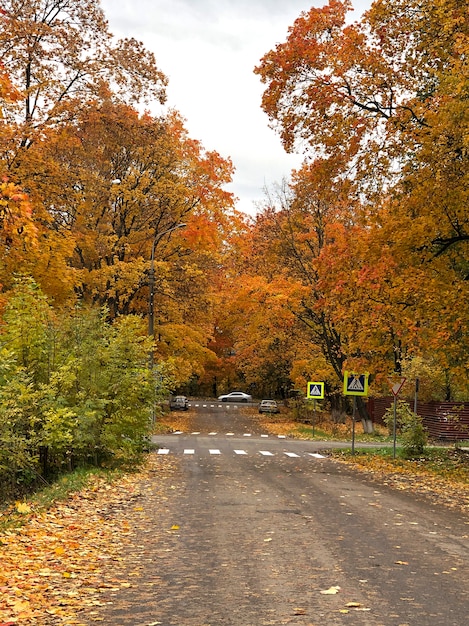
{"x":443,"y":420}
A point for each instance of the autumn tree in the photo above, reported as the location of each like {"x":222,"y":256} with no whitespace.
{"x":58,"y":56}
{"x":386,"y":96}
{"x":108,"y":184}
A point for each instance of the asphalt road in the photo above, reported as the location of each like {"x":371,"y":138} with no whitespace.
{"x":257,"y":530}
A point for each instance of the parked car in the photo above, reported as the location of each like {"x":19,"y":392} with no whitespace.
{"x":268,"y":406}
{"x":179,"y":403}
{"x":235,"y":396}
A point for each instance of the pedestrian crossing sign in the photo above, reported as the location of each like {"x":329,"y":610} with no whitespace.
{"x":355,"y":384}
{"x":315,"y":390}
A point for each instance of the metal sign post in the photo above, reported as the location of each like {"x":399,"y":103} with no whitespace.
{"x":355,"y":385}
{"x":396,"y":386}
{"x":315,"y":391}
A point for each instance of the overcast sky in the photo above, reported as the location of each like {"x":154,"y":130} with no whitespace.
{"x":208,"y":50}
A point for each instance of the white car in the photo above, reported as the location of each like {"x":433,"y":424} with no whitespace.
{"x":235,"y":396}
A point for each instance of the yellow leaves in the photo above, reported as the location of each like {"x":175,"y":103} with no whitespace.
{"x":299,"y":611}
{"x":174,"y":527}
{"x":356,"y":606}
{"x":23,"y":508}
{"x":64,"y":554}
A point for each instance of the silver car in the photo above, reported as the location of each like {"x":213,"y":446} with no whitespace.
{"x":235,"y":396}
{"x":268,"y":406}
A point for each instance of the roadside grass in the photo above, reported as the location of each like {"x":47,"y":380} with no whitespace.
{"x":322,"y":430}
{"x":446,"y":462}
{"x":13,"y":514}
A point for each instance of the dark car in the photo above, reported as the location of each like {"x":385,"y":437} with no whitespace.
{"x":268,"y":406}
{"x":179,"y":403}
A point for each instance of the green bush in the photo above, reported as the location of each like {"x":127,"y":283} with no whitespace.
{"x":409,"y":426}
{"x":75,"y":390}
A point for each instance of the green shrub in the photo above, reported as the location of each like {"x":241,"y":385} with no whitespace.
{"x":409,"y":426}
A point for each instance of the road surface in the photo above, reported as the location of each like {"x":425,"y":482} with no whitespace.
{"x":258,"y":530}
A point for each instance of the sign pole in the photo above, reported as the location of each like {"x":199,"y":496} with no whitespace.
{"x":314,"y":414}
{"x":353,"y":423}
{"x":396,"y":385}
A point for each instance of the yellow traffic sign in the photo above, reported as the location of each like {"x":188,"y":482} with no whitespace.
{"x":355,"y":384}
{"x":315,"y":390}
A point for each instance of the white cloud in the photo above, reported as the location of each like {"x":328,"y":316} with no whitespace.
{"x":208,"y":49}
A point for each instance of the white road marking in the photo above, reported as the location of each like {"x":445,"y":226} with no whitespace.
{"x":230,"y":434}
{"x":282,"y":436}
{"x":240,"y":452}
{"x":163,"y":450}
{"x":292,"y":454}
{"x":316,"y":455}
{"x":197,"y":433}
{"x":212,"y":434}
{"x":264,"y":435}
{"x":177,"y":432}
{"x":265,"y":453}
{"x":214,"y":451}
{"x":189,"y":451}
{"x":247,"y":435}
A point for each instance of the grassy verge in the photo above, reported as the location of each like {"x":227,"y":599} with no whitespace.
{"x":446,"y":463}
{"x":14,"y":514}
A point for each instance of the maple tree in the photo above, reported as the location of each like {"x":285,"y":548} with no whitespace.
{"x":105,"y":181}
{"x":390,"y":107}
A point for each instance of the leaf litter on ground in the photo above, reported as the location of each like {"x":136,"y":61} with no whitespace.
{"x":60,"y":561}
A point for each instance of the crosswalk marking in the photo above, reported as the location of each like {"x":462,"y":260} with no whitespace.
{"x":241,"y":452}
{"x":230,"y":434}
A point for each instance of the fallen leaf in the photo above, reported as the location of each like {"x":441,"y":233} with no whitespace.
{"x":22,"y":507}
{"x":175,"y":527}
{"x":351,"y":605}
{"x":401,"y":562}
